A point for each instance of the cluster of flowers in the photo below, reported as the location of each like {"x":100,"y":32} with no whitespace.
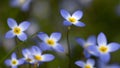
{"x":97,"y":47}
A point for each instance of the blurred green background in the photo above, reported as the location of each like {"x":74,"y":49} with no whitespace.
{"x":44,"y":15}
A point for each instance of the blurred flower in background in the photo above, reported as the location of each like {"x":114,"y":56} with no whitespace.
{"x":22,"y":4}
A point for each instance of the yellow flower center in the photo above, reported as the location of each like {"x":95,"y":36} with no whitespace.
{"x":38,"y":57}
{"x":72,"y":20}
{"x":17,"y":30}
{"x":103,"y":49}
{"x":14,"y":62}
{"x":87,"y":66}
{"x":51,"y":42}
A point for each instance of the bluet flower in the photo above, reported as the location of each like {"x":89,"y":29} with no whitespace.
{"x":72,"y":19}
{"x":28,"y":57}
{"x":23,"y":4}
{"x":89,"y":64}
{"x":39,"y":57}
{"x":51,"y":42}
{"x":14,"y":62}
{"x":103,"y":48}
{"x":85,"y":44}
{"x":17,"y":30}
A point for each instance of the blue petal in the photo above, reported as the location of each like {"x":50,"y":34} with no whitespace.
{"x":43,"y":36}
{"x":8,"y":62}
{"x":25,"y":6}
{"x":67,"y":23}
{"x":58,"y":47}
{"x":36,"y":50}
{"x":47,"y":57}
{"x":92,"y":40}
{"x":79,"y":24}
{"x":56,"y":36}
{"x":105,"y":57}
{"x":80,"y":63}
{"x":44,"y":46}
{"x":21,"y":61}
{"x":22,"y":36}
{"x":65,"y":14}
{"x":26,"y":52}
{"x":93,"y":50}
{"x":24,"y":25}
{"x":14,"y":66}
{"x":80,"y":41}
{"x":91,"y":62}
{"x":113,"y":47}
{"x":87,"y":54}
{"x":102,"y":39}
{"x":11,"y":23}
{"x":13,"y":56}
{"x":77,"y":15}
{"x":9,"y":34}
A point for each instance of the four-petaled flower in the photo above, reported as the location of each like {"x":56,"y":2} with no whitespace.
{"x":103,"y":49}
{"x":17,"y":30}
{"x":14,"y":62}
{"x":39,"y":57}
{"x":89,"y":64}
{"x":91,"y":41}
{"x":72,"y":19}
{"x":23,"y":4}
{"x":51,"y":41}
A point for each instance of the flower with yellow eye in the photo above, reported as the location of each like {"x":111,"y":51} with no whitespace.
{"x":103,"y":48}
{"x":23,"y":4}
{"x":39,"y":57}
{"x":51,"y":42}
{"x":17,"y":30}
{"x":89,"y":64}
{"x":72,"y":19}
{"x":14,"y":62}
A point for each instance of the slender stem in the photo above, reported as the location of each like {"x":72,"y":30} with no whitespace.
{"x":35,"y":65}
{"x":18,"y":51}
{"x":69,"y":48}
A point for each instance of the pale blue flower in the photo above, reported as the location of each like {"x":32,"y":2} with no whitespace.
{"x":14,"y":62}
{"x":23,"y":4}
{"x":17,"y":30}
{"x":103,"y":48}
{"x":91,"y":41}
{"x":51,"y":42}
{"x":72,"y":19}
{"x":39,"y":57}
{"x":28,"y":57}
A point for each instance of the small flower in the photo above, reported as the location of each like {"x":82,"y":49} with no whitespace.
{"x":28,"y":57}
{"x":103,"y":48}
{"x":17,"y":30}
{"x":14,"y":62}
{"x":23,"y":4}
{"x":51,"y":42}
{"x":72,"y":19}
{"x":89,"y":64}
{"x":85,"y":44}
{"x":39,"y":57}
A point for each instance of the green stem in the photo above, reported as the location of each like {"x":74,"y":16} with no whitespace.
{"x":69,"y":48}
{"x":18,"y":51}
{"x":10,"y":52}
